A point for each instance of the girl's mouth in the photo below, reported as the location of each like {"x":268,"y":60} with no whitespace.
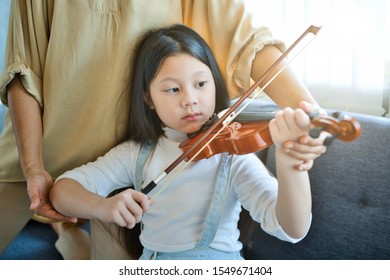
{"x":192,"y":117}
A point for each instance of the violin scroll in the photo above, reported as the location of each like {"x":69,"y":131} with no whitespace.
{"x":341,"y":126}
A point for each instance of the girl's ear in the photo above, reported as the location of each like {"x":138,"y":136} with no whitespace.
{"x":148,"y":100}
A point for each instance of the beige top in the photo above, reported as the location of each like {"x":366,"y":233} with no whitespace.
{"x":73,"y":57}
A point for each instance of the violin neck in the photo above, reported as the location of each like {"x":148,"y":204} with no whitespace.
{"x":250,"y":116}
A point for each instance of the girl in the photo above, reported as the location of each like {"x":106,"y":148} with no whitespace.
{"x":176,"y":86}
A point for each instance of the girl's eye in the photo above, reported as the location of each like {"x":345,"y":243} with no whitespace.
{"x":172,"y":90}
{"x":200,"y":84}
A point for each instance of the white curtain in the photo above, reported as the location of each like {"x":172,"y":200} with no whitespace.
{"x":347,"y":65}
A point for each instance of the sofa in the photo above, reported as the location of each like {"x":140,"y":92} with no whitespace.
{"x":351,"y":206}
{"x":350,"y":187}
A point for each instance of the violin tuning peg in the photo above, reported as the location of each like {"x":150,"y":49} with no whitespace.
{"x":328,"y":140}
{"x":338,"y":115}
{"x":315,"y":132}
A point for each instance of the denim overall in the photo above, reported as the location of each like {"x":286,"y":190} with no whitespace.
{"x":202,"y":251}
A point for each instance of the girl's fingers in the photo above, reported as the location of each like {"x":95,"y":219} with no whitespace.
{"x":304,"y":155}
{"x":302,"y":120}
{"x":142,"y":200}
{"x":305,"y":166}
{"x":128,"y":219}
{"x":289,"y":116}
{"x":304,"y":148}
{"x":128,"y":208}
{"x":312,"y":108}
{"x":289,"y":124}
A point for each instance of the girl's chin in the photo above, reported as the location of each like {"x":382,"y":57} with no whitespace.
{"x":189,"y":128}
{"x":193,"y":129}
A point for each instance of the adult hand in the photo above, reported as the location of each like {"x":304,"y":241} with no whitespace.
{"x":307,"y":148}
{"x":39,"y":184}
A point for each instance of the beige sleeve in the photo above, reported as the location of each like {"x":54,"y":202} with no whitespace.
{"x":28,"y":35}
{"x":228,"y":28}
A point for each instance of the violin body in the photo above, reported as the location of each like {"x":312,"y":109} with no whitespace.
{"x":237,"y":138}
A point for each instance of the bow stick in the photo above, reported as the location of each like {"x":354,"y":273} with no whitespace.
{"x":226,"y":116}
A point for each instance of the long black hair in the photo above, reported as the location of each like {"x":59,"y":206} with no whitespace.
{"x":152,"y":49}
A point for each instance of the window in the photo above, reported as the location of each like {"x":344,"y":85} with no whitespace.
{"x":347,"y":66}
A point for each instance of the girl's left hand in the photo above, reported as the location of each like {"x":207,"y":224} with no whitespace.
{"x":289,"y":125}
{"x":306,"y":148}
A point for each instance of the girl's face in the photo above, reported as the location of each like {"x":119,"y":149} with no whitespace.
{"x":183,"y":93}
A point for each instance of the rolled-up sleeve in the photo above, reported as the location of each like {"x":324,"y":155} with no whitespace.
{"x":28,"y":36}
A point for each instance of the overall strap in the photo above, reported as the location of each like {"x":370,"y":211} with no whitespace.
{"x":218,"y":199}
{"x":143,"y":154}
{"x":217,"y":204}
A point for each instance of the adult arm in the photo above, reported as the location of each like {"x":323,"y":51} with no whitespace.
{"x":21,"y":88}
{"x":288,"y":91}
{"x":26,"y":117}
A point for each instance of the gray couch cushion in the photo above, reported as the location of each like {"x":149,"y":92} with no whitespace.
{"x":351,"y":202}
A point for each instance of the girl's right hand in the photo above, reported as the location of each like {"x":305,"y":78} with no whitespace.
{"x":125,"y":208}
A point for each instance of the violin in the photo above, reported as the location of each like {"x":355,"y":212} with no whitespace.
{"x":248,"y":137}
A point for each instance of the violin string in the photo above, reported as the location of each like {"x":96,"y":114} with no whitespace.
{"x":255,"y":93}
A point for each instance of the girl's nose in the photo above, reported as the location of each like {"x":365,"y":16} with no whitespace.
{"x":189,"y":99}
